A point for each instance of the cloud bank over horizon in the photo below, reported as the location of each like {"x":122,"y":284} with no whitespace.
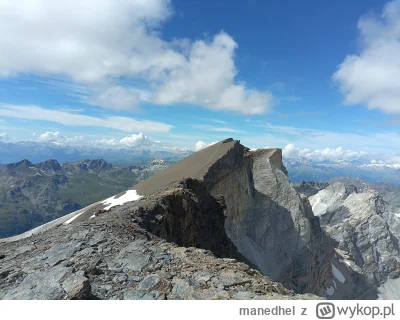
{"x":291,"y":151}
{"x":142,"y":142}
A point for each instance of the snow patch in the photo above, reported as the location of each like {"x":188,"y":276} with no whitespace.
{"x":319,"y":208}
{"x":330,"y":291}
{"x":337,"y":274}
{"x":130,"y":195}
{"x":74,"y":217}
{"x":346,"y":262}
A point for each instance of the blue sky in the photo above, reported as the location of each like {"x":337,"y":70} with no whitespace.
{"x":314,"y":74}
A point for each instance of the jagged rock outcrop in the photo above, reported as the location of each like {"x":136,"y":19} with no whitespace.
{"x":366,"y":234}
{"x":309,"y":188}
{"x":269,"y":222}
{"x":187,"y":215}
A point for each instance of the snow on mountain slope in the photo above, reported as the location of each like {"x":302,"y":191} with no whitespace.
{"x":365,"y":229}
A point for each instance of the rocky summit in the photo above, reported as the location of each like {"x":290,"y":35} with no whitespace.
{"x":223,"y":223}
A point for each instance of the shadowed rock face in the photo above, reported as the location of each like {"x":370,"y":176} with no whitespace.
{"x":186,"y":214}
{"x":224,"y":199}
{"x":366,"y":232}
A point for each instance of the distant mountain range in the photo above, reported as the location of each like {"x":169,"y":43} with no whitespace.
{"x":39,"y":152}
{"x":308,"y":170}
{"x":33,"y":194}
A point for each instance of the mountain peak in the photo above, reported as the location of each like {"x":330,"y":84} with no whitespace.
{"x":51,"y":164}
{"x":21,"y":164}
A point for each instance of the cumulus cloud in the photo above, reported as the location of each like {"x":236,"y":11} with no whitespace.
{"x":73,"y":119}
{"x":75,"y":139}
{"x":107,"y":142}
{"x":135,"y":140}
{"x":3,"y":137}
{"x":96,"y":44}
{"x":49,"y":136}
{"x":88,"y":42}
{"x":200,"y":145}
{"x":372,"y":77}
{"x":207,"y":78}
{"x":338,"y":154}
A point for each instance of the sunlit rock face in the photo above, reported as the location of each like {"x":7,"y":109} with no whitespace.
{"x":363,"y":223}
{"x":271,"y":224}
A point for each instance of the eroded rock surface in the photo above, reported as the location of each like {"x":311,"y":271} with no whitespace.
{"x":366,"y":234}
{"x":112,"y":257}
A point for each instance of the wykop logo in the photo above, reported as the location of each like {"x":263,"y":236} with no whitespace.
{"x":325,"y":310}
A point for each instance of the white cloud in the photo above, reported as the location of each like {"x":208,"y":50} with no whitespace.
{"x":97,"y":44}
{"x":207,"y":78}
{"x":135,"y":140}
{"x":386,"y":141}
{"x":213,"y":120}
{"x":340,"y":154}
{"x":372,"y":77}
{"x":3,"y":137}
{"x":291,"y":151}
{"x":200,"y":145}
{"x":89,"y":41}
{"x":49,"y":136}
{"x":218,"y":121}
{"x":72,"y":119}
{"x":117,"y":98}
{"x":107,"y":142}
{"x":75,"y":139}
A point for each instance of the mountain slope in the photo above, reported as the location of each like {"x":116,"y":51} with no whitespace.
{"x":114,"y":257}
{"x":364,"y":222}
{"x":33,"y":194}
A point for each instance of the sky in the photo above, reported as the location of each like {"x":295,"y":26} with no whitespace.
{"x":311,"y":77}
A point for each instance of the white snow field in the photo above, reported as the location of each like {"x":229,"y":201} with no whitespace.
{"x":130,"y":195}
{"x":337,"y":274}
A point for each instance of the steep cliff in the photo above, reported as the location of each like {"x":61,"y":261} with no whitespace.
{"x":269,"y":222}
